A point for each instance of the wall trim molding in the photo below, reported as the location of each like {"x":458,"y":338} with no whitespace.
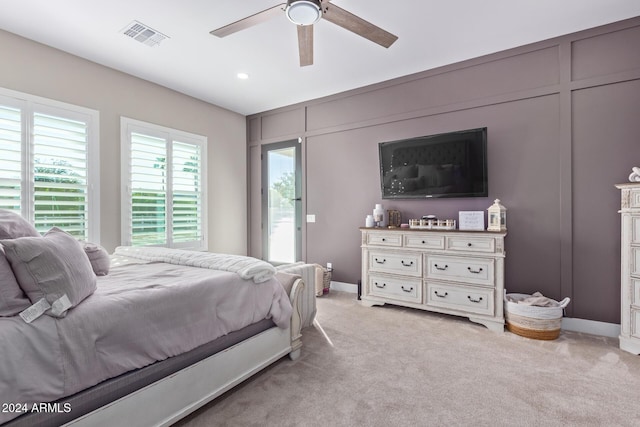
{"x":592,"y":327}
{"x":573,"y":324}
{"x":351,"y":288}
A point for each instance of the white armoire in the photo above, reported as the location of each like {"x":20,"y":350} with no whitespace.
{"x":630,"y":268}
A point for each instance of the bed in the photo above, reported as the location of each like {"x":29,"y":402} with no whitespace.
{"x":161,"y":320}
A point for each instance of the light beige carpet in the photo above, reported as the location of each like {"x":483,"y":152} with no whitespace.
{"x":391,"y":366}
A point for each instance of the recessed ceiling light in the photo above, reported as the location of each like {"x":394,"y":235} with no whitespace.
{"x":243,"y":76}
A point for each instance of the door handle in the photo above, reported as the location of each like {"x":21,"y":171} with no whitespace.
{"x":297,"y":199}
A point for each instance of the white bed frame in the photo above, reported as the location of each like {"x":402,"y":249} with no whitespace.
{"x":174,"y":397}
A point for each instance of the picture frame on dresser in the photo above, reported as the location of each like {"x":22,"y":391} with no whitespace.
{"x":471,"y":220}
{"x":453,"y":272}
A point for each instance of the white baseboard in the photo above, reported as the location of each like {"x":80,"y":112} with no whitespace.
{"x":344,"y":287}
{"x":592,"y":327}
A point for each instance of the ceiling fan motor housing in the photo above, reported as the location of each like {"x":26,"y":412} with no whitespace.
{"x":303,"y":12}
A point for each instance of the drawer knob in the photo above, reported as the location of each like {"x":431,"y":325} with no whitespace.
{"x":380,"y":286}
{"x":405,"y":264}
{"x":384,"y":240}
{"x":440,"y":268}
{"x":478,"y":271}
{"x":469,"y":244}
{"x":439,"y":295}
{"x":474,"y":300}
{"x":380,"y":262}
{"x":424,"y":243}
{"x":407,"y":290}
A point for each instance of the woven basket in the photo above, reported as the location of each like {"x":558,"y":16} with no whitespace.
{"x":541,"y":323}
{"x":326,"y":280}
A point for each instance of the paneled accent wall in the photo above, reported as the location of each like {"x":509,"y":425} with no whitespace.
{"x":563,"y":119}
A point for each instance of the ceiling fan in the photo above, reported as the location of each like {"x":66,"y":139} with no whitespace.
{"x":305,"y":13}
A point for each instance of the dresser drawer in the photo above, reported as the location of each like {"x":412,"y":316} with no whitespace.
{"x":635,"y":323}
{"x":635,"y":229}
{"x":384,"y":239}
{"x":464,"y":298}
{"x":400,"y":289}
{"x":634,"y":198}
{"x":635,"y":292}
{"x":635,"y":261}
{"x":471,"y":244}
{"x":423,"y":241}
{"x":408,"y":264}
{"x":468,"y":270}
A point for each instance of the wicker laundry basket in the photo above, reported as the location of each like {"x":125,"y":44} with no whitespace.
{"x":541,"y":323}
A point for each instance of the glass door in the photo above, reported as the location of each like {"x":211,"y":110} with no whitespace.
{"x":281,"y":202}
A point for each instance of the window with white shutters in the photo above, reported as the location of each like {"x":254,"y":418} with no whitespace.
{"x":60,"y":174}
{"x":187,"y":184}
{"x":163,"y":186}
{"x":148,"y":190}
{"x":10,"y":158}
{"x":49,"y":167}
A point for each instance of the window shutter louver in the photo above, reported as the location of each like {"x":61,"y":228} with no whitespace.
{"x":148,"y":190}
{"x":10,"y":158}
{"x":60,"y":174}
{"x":187,"y":192}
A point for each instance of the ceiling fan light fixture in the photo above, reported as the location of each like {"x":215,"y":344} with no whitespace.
{"x":303,"y":12}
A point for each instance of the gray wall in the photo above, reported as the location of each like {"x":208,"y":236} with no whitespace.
{"x":36,"y":69}
{"x":563,"y":127}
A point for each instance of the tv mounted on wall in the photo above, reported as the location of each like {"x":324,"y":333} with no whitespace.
{"x":451,"y":164}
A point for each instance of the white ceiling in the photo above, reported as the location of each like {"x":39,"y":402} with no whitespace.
{"x":431,"y":34}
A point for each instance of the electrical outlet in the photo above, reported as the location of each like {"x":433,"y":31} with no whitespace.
{"x":329,"y":266}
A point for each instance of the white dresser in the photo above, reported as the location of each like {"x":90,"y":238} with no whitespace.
{"x":630,"y":268}
{"x":452,"y":272}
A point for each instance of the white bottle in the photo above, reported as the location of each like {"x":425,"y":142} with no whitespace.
{"x":369,"y":221}
{"x":378,"y":215}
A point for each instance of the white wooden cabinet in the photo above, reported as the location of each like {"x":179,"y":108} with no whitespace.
{"x":630,"y":268}
{"x":452,"y":272}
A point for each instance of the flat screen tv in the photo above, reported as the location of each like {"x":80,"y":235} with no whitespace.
{"x":451,"y":164}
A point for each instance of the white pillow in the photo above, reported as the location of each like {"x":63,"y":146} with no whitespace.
{"x":50,"y":267}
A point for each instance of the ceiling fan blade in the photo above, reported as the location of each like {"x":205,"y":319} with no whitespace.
{"x":355,"y":24}
{"x":249,"y":21}
{"x":305,"y":44}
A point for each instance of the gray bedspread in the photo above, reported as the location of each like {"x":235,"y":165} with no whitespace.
{"x":140,"y":314}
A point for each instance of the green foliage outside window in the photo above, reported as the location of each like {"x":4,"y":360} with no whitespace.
{"x":60,"y":198}
{"x":284,"y":191}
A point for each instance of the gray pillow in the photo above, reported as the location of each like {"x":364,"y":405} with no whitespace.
{"x":98,"y":257}
{"x":287,"y":280}
{"x":13,"y":226}
{"x":12,"y":299}
{"x":50,"y":267}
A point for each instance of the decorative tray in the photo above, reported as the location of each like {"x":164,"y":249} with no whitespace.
{"x":432,"y":224}
{"x":432,"y":227}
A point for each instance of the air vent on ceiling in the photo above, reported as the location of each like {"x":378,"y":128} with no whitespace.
{"x":143,"y":34}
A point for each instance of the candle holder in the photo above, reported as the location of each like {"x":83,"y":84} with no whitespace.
{"x":497,"y":217}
